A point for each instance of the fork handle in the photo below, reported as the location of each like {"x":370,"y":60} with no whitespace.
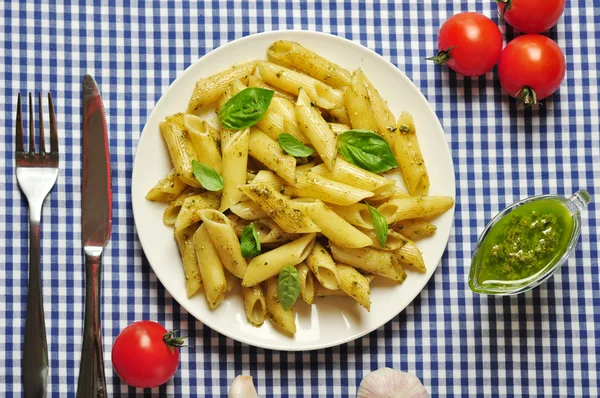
{"x":35,"y":347}
{"x":92,"y":380}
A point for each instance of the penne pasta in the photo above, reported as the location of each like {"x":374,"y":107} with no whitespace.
{"x":338,"y":128}
{"x":339,"y":116}
{"x":269,"y":178}
{"x":234,"y":88}
{"x":321,"y":264}
{"x":225,"y":241}
{"x":410,"y":255}
{"x":269,"y":264}
{"x":180,"y":147}
{"x":172,"y":211}
{"x":255,"y":304}
{"x":347,"y":173}
{"x":384,"y":194}
{"x":205,"y":140}
{"x":254,"y":81}
{"x":275,"y":311}
{"x":268,"y":231}
{"x":281,"y":118}
{"x":235,"y":161}
{"x":209,"y":89}
{"x":414,"y":229}
{"x":368,"y":260}
{"x":414,"y":207}
{"x":355,"y":285}
{"x":281,"y":209}
{"x":383,"y":117}
{"x":310,"y":185}
{"x":268,"y":152}
{"x":248,"y":210}
{"x":357,"y":214}
{"x":408,"y":152}
{"x":191,"y":207}
{"x":211,"y":268}
{"x":292,"y":55}
{"x":185,"y":244}
{"x":316,"y":129}
{"x":166,"y":189}
{"x":356,"y":100}
{"x":307,"y":287}
{"x":291,"y":81}
{"x":334,"y":227}
{"x":393,"y":242}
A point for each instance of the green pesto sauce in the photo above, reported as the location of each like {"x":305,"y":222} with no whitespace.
{"x":525,"y":241}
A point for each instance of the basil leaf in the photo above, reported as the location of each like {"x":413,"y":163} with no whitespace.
{"x":289,"y":287}
{"x":380,"y":223}
{"x":367,"y":150}
{"x":207,"y":176}
{"x":292,"y":146}
{"x":250,"y":242}
{"x":245,"y":108}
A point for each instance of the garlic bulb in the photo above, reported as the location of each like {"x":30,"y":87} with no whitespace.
{"x":389,"y":383}
{"x":242,"y":387}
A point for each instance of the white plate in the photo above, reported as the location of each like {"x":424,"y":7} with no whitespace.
{"x":331,"y":321}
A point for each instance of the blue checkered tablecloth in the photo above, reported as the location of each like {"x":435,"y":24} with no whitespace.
{"x":542,"y":343}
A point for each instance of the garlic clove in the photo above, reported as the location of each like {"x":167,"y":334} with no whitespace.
{"x":390,"y":383}
{"x":242,"y":387}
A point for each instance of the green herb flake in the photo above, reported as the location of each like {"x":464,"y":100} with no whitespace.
{"x":289,"y":286}
{"x":250,"y":242}
{"x":207,"y":176}
{"x":292,"y":146}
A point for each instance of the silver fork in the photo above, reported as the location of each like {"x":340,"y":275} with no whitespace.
{"x":36,"y":175}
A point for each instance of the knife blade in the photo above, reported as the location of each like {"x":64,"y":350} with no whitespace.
{"x":96,"y":221}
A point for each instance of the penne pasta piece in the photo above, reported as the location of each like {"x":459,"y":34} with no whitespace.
{"x":185,"y":244}
{"x":225,"y":241}
{"x":205,"y":140}
{"x":295,"y":56}
{"x":321,"y":264}
{"x":291,"y":81}
{"x":234,"y":88}
{"x":368,"y":260}
{"x":340,"y":116}
{"x":254,"y":81}
{"x":211,"y":268}
{"x":414,"y":229}
{"x":268,"y":231}
{"x":334,"y":227}
{"x":230,"y":279}
{"x":255,"y":305}
{"x":307,"y":287}
{"x":311,"y":185}
{"x":172,"y":211}
{"x":180,"y":147}
{"x":275,"y":311}
{"x":321,"y":291}
{"x":414,"y":207}
{"x":338,"y":128}
{"x":248,"y":210}
{"x":357,"y":214}
{"x":408,"y":152}
{"x":355,"y":285}
{"x":269,"y":264}
{"x":281,"y":118}
{"x":281,"y":209}
{"x":269,"y":178}
{"x":235,"y":162}
{"x":166,"y":189}
{"x":356,"y":99}
{"x":268,"y":152}
{"x":384,"y":194}
{"x":305,"y":168}
{"x":209,"y":89}
{"x":316,"y":129}
{"x":394,"y":240}
{"x":191,"y":207}
{"x":383,"y":117}
{"x":347,"y":173}
{"x":410,"y":255}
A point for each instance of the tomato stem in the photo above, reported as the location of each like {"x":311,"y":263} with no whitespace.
{"x":526,"y":96}
{"x":507,"y":6}
{"x":442,"y":56}
{"x":173,"y":342}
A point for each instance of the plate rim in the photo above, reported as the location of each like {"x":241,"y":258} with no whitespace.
{"x":292,"y":347}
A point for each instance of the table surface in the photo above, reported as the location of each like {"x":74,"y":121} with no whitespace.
{"x":544,"y":342}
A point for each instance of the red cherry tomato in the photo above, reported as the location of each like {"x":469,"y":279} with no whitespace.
{"x":531,"y":68}
{"x":469,"y":43}
{"x":531,"y":16}
{"x":145,"y":355}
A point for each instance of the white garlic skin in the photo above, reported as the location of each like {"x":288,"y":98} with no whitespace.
{"x":242,"y":387}
{"x":389,"y":383}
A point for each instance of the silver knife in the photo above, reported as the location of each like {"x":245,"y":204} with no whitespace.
{"x":96,"y":216}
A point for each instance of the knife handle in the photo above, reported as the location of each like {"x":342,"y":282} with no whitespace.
{"x":92,"y":380}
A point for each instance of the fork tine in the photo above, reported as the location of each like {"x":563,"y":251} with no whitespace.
{"x":19,"y":127}
{"x":31,"y":131}
{"x":53,"y":132}
{"x":41,"y":125}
